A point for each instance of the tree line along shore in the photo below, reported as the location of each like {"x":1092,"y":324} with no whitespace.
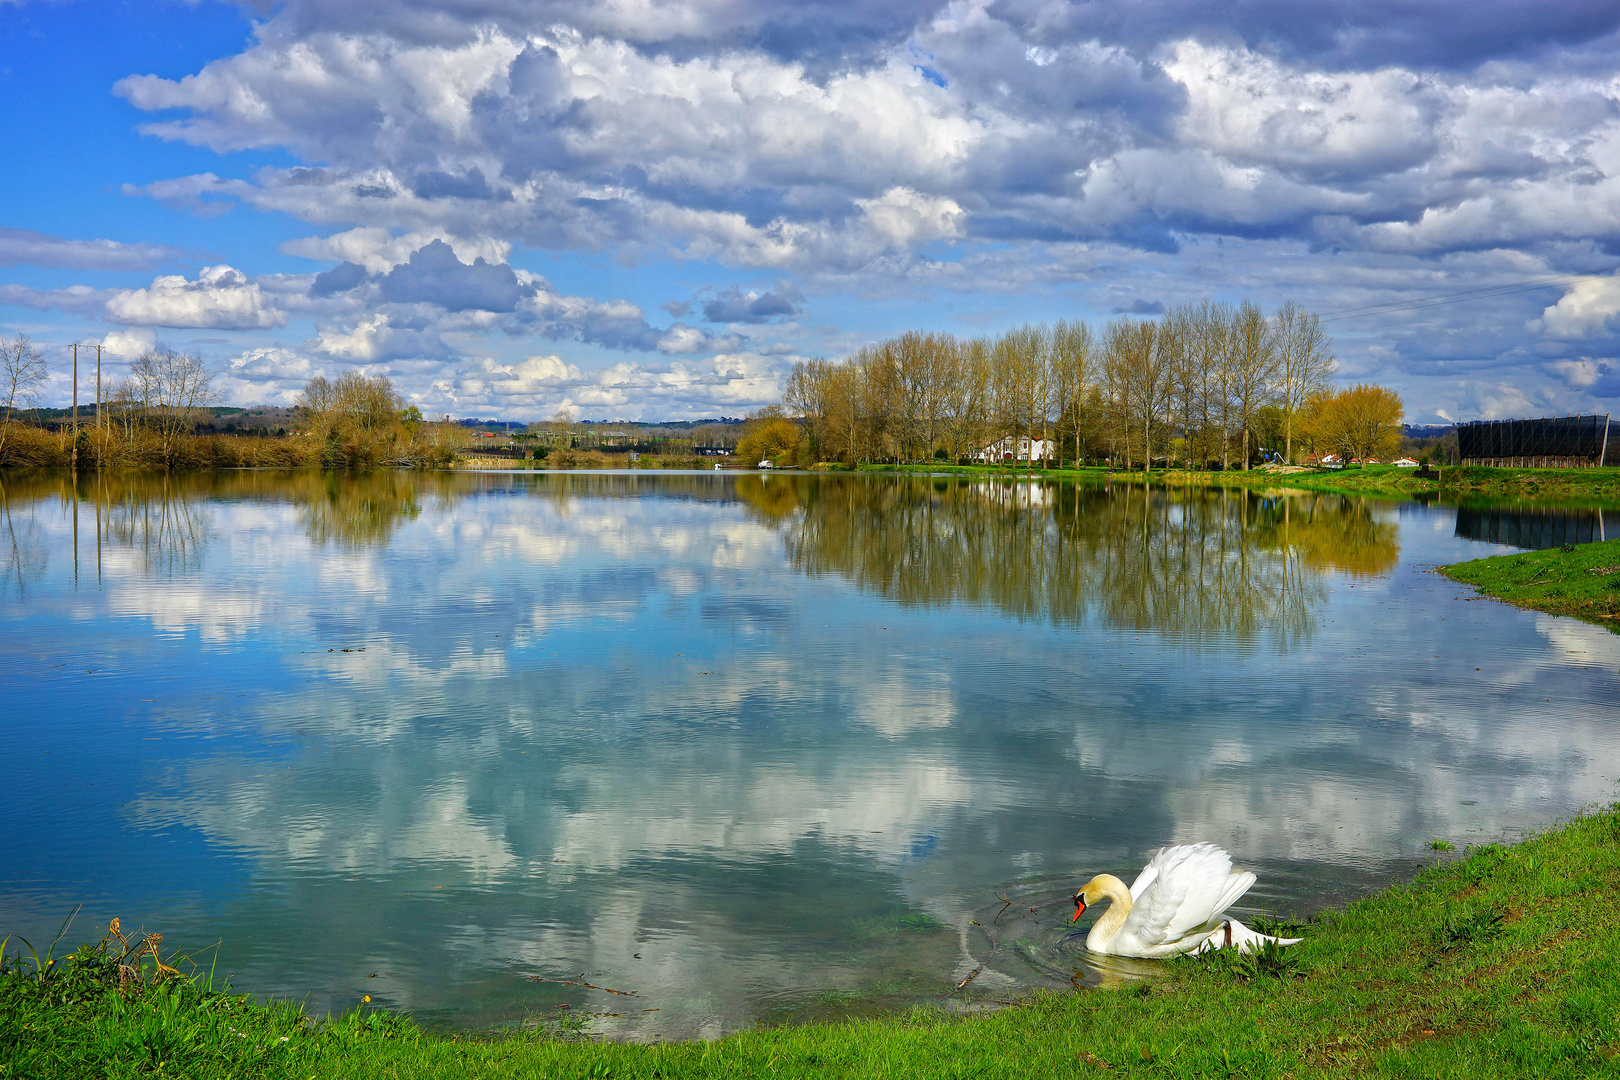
{"x":1499,"y":963}
{"x":1203,"y":385}
{"x":162,"y":416}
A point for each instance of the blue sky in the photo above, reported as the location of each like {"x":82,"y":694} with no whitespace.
{"x":673,"y":202}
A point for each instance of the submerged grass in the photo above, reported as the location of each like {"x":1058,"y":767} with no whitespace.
{"x":1577,"y":579}
{"x":1505,"y":963}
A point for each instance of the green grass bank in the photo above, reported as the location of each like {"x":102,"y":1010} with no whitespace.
{"x":1582,"y":580}
{"x":1577,"y":485}
{"x":1504,"y":963}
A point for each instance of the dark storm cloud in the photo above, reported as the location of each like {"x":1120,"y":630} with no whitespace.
{"x":735,"y":306}
{"x":340,"y":279}
{"x":435,"y":276}
{"x":822,"y":36}
{"x":435,"y":184}
{"x":1447,"y":34}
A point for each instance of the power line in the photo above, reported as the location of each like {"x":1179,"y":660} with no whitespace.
{"x":1483,"y":292}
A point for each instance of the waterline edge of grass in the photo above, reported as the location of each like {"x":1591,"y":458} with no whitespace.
{"x":1579,"y":580}
{"x":1505,"y":962}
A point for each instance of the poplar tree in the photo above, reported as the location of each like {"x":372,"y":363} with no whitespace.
{"x":1305,"y":363}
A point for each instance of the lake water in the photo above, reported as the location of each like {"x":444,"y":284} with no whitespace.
{"x":750,"y":748}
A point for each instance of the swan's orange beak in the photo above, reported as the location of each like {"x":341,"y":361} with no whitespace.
{"x":1079,"y":910}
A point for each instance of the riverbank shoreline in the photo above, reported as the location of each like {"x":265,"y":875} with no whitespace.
{"x":1580,"y":580}
{"x":1499,"y":963}
{"x":224,"y":452}
{"x":1599,"y":485}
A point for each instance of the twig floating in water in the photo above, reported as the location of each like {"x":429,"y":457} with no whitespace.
{"x":970,"y":977}
{"x":586,"y":985}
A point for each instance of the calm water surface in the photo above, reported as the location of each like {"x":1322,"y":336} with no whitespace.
{"x":753,"y":748}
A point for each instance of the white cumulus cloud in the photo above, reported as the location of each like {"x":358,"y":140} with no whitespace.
{"x":1586,"y":309}
{"x":220,"y":298}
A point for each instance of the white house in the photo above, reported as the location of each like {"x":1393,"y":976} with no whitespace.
{"x":1023,"y":448}
{"x":1404,"y":463}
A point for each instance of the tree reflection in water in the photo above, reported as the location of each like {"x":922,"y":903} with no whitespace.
{"x":1184,"y":562}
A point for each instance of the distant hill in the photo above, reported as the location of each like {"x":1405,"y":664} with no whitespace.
{"x":1427,"y":431}
{"x":519,"y":425}
{"x":253,"y":415}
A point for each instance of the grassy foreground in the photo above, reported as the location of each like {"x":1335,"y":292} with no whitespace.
{"x":1505,"y":963}
{"x":1579,"y":579}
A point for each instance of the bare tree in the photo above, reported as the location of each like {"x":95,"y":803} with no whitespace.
{"x":1019,"y":360}
{"x":1177,"y":346}
{"x":844,"y":410}
{"x":1116,"y":393}
{"x":877,"y":400}
{"x":1072,"y":347}
{"x":909,"y":355}
{"x":970,"y":408}
{"x":170,"y":389}
{"x":809,"y":396}
{"x":1304,"y":363}
{"x":1253,"y":353}
{"x":1212,"y":358}
{"x":1143,"y":378}
{"x":950,"y":379}
{"x":317,"y":400}
{"x":1213,"y":340}
{"x":22,"y":370}
{"x":939,"y":367}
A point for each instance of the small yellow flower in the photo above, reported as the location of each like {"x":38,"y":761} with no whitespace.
{"x":366,"y":998}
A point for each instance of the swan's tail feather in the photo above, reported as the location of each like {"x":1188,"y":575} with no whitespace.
{"x":1233,"y":934}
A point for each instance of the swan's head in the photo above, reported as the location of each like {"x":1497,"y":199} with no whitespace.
{"x":1089,"y":893}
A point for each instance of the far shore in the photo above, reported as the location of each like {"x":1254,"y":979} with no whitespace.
{"x":1387,"y":480}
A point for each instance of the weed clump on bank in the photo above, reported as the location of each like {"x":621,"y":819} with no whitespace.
{"x":117,"y":1007}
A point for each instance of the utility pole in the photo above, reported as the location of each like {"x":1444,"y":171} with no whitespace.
{"x":75,"y":427}
{"x":98,"y":388}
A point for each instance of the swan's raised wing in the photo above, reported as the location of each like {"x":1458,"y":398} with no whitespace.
{"x":1190,"y":885}
{"x":1149,"y":874}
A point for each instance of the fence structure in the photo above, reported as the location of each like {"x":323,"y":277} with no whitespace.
{"x":509,"y":453}
{"x":1569,"y":442}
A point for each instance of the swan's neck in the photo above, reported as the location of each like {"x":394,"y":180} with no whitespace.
{"x":1103,"y":931}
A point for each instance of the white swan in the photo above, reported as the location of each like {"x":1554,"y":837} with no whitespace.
{"x":1174,"y":906}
